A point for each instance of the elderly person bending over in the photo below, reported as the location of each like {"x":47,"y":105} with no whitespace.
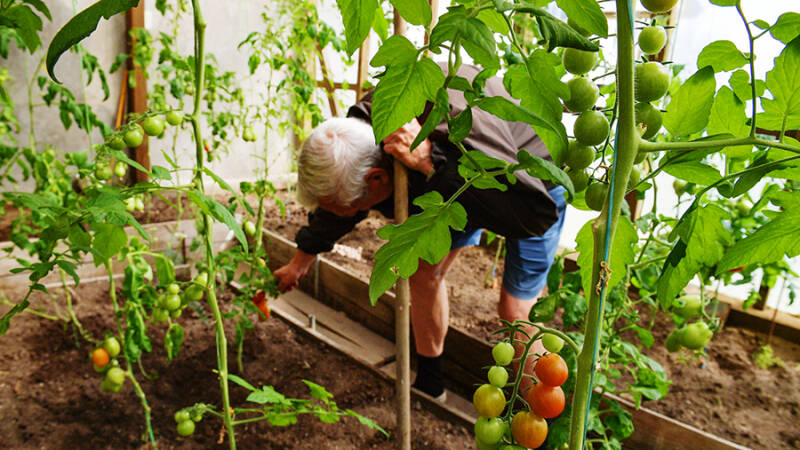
{"x":342,"y":174}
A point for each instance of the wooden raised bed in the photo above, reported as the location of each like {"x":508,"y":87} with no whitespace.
{"x":465,"y":354}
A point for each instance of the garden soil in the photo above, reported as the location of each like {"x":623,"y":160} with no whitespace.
{"x":50,"y":396}
{"x":725,"y":393}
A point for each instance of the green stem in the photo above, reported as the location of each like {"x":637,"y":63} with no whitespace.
{"x":208,"y":236}
{"x":112,"y":292}
{"x":75,"y":322}
{"x":30,"y":310}
{"x":647,"y":146}
{"x":751,"y":61}
{"x":627,"y":148}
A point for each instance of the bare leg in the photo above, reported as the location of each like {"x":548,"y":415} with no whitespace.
{"x":512,"y":308}
{"x":429,"y":305}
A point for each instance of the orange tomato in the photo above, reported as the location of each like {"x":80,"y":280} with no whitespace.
{"x":546,"y":401}
{"x":528,"y":429}
{"x":100,"y":357}
{"x":551,"y":369}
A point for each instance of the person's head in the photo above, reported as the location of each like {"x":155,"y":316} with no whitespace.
{"x":340,"y":168}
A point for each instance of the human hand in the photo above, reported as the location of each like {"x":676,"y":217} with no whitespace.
{"x":398,"y":144}
{"x":287,"y":277}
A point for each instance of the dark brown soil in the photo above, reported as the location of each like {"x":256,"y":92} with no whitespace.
{"x":50,"y":396}
{"x":725,"y":394}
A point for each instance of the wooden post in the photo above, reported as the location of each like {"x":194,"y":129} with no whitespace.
{"x":327,"y":82}
{"x":402,"y":316}
{"x":137,"y":98}
{"x":363,"y":64}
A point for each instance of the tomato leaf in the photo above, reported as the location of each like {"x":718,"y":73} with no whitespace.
{"x":108,"y":241}
{"x":689,"y":109}
{"x":404,"y":88}
{"x":783,"y":81}
{"x":440,"y":108}
{"x":241,"y":382}
{"x":173,"y":340}
{"x":224,"y":185}
{"x":27,"y":25}
{"x":728,"y":116}
{"x":511,"y":112}
{"x":214,"y":208}
{"x":740,"y":83}
{"x":476,"y":38}
{"x":318,"y":392}
{"x":5,"y":321}
{"x":694,"y":172}
{"x":165,"y":271}
{"x":587,"y":14}
{"x":622,"y":253}
{"x":538,"y":88}
{"x":267,"y":394}
{"x":81,"y":26}
{"x":701,"y":241}
{"x":544,"y":310}
{"x":545,"y":170}
{"x":787,"y":27}
{"x":618,"y":420}
{"x":161,"y":173}
{"x":722,"y":56}
{"x":416,"y":12}
{"x":422,"y":236}
{"x":554,"y":31}
{"x":357,"y":17}
{"x":778,"y":237}
{"x":366,"y":421}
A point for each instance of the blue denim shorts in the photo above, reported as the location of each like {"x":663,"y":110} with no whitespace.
{"x":527,"y":260}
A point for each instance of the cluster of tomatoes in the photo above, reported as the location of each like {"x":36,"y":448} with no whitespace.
{"x":527,"y":428}
{"x":104,"y":361}
{"x":172,"y":301}
{"x":693,"y":336}
{"x":185,"y":420}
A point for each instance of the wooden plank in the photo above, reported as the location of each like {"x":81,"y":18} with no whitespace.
{"x":657,"y":431}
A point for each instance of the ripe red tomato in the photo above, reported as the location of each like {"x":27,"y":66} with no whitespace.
{"x":489,"y":400}
{"x":258,"y":298}
{"x":546,"y":401}
{"x":528,"y":429}
{"x":100,"y":357}
{"x":264,"y":308}
{"x":551,"y":369}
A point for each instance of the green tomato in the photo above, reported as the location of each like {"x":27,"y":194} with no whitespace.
{"x":578,"y":156}
{"x":160,"y":315}
{"x":578,"y":62}
{"x":248,"y":135}
{"x":591,"y":128}
{"x":201,"y":279}
{"x":579,"y":178}
{"x":673,"y":342}
{"x":102,"y":172}
{"x":635,"y":178}
{"x":106,"y":386}
{"x":111,"y":344}
{"x":696,"y":335}
{"x":650,"y":117}
{"x":134,"y":137}
{"x":743,"y":207}
{"x":688,"y":306}
{"x":153,"y":126}
{"x":489,"y":430}
{"x":552,"y":343}
{"x":680,"y":187}
{"x":658,"y":6}
{"x":139,"y":204}
{"x":116,"y":142}
{"x":175,"y":314}
{"x":652,"y":39}
{"x":596,"y":195}
{"x":186,"y":428}
{"x":182,"y":416}
{"x":498,"y":376}
{"x":650,"y":82}
{"x":174,"y":118}
{"x":194,"y":293}
{"x":489,"y":400}
{"x":503,"y":353}
{"x":583,"y":94}
{"x":115,"y":376}
{"x":174,"y":288}
{"x":250,"y":228}
{"x":171,"y":302}
{"x":120,"y":169}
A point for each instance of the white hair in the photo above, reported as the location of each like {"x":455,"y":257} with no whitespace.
{"x":334,"y":160}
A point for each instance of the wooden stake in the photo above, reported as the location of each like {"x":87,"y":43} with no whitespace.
{"x":363,"y":64}
{"x":402,"y":316}
{"x":137,"y":98}
{"x":327,"y":83}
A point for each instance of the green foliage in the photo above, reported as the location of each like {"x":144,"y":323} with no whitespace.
{"x":423,"y":236}
{"x":81,"y":26}
{"x":722,"y":56}
{"x":701,"y":239}
{"x":779,"y":237}
{"x":784,"y":84}
{"x":688,"y":111}
{"x":358,"y":17}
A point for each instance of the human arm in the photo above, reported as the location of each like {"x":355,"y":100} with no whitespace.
{"x":398,"y":144}
{"x":289,"y":275}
